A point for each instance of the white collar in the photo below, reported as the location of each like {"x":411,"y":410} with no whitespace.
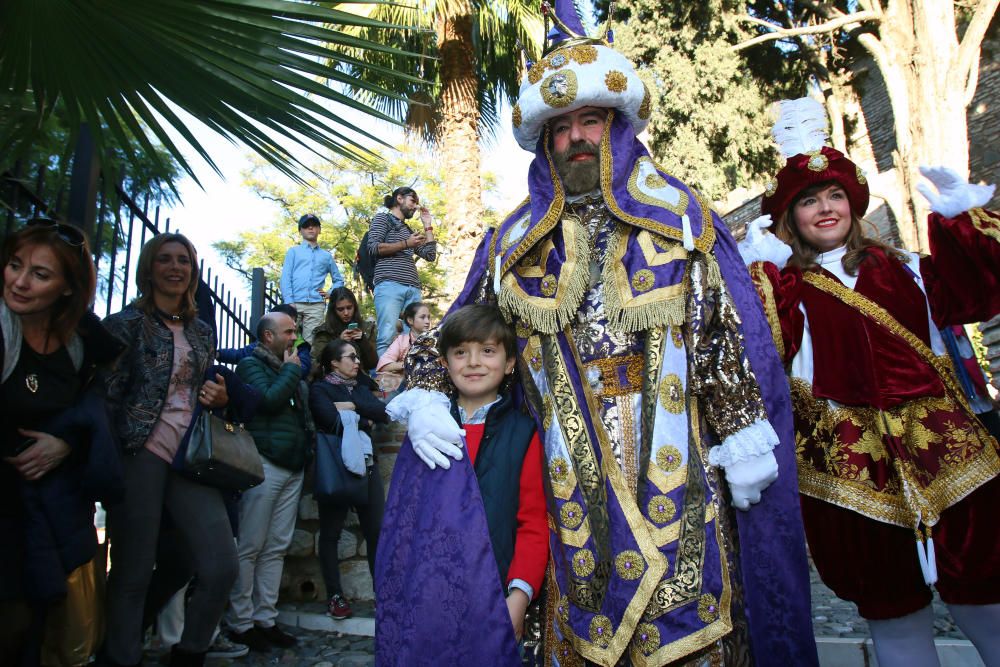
{"x":834,"y":256}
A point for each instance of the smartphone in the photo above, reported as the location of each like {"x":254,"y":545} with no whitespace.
{"x":352,"y":326}
{"x":23,"y":445}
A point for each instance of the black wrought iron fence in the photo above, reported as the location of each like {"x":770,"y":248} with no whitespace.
{"x":121,"y":228}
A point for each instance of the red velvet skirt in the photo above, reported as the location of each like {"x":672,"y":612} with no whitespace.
{"x":875,"y":565}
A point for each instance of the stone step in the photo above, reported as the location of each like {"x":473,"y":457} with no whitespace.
{"x":833,"y":651}
{"x":312,"y":616}
{"x":850,"y":652}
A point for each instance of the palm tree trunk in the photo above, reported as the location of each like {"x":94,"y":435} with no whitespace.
{"x":459,"y":149}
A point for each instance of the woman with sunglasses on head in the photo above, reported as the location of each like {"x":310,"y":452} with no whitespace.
{"x":53,"y":431}
{"x":153,"y":393}
{"x":339,"y":390}
{"x":343,"y":321}
{"x":898,"y":478}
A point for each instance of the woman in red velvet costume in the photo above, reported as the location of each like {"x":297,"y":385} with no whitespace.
{"x":890,"y":454}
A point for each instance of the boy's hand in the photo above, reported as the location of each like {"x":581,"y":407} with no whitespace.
{"x":517,"y":607}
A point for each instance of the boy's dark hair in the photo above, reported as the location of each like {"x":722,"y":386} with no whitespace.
{"x":477,"y":323}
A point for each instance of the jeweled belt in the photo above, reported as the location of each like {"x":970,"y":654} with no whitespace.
{"x":616,"y":376}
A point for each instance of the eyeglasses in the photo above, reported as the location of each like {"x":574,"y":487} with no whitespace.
{"x":68,"y":233}
{"x":352,"y":357}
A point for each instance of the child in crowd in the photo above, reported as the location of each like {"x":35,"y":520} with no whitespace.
{"x":459,"y":541}
{"x":417,"y":317}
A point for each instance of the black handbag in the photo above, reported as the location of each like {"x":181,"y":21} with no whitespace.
{"x":334,"y":483}
{"x":222,"y":454}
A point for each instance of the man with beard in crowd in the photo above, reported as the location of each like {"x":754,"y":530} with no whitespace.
{"x":646,"y":361}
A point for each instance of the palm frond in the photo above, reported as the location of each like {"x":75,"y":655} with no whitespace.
{"x":498,"y":27}
{"x":266,"y":73}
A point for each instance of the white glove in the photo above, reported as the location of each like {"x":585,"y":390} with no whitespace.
{"x":433,"y":432}
{"x":748,"y":479}
{"x":954,"y":194}
{"x":763,"y":246}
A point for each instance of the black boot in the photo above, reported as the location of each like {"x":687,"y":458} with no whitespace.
{"x":102,"y":660}
{"x":179,"y":658}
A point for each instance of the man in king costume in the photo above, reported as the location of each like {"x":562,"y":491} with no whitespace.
{"x":647,"y":363}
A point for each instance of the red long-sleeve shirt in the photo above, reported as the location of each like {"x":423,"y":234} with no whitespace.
{"x":531,"y":542}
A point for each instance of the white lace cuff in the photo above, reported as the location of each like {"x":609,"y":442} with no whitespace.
{"x":754,"y":440}
{"x":400,"y":408}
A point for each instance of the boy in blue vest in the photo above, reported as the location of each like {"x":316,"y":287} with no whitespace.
{"x":478,"y":349}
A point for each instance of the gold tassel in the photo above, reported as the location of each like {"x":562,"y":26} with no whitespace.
{"x":555,"y":314}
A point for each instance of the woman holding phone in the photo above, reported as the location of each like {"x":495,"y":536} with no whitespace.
{"x":343,"y":321}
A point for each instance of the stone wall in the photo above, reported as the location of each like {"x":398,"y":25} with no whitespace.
{"x":302,"y":580}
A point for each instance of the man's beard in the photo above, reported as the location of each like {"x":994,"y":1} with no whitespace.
{"x":579,"y":177}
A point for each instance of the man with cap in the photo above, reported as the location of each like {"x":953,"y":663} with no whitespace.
{"x":303,"y":276}
{"x":647,"y":362}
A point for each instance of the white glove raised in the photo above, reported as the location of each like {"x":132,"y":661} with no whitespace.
{"x":433,"y":432}
{"x":747,"y":479}
{"x":954,"y":194}
{"x":763,"y":246}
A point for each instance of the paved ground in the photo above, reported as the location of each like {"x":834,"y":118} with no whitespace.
{"x":832,"y":617}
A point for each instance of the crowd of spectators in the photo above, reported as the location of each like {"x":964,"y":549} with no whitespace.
{"x":102,"y":412}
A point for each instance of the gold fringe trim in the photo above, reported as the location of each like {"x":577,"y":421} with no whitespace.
{"x":664,"y":306}
{"x":714,"y":271}
{"x":549,"y":315}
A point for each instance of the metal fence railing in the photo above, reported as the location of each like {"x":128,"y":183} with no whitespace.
{"x":122,"y":226}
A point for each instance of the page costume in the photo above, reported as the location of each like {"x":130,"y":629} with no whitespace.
{"x":646,"y":361}
{"x":888,"y":447}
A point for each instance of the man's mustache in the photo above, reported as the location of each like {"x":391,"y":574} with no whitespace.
{"x":581,"y":147}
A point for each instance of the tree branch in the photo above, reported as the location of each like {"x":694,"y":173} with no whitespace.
{"x":871,"y":6}
{"x":972,"y":40}
{"x":779,"y":32}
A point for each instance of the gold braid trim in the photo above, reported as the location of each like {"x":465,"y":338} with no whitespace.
{"x":653,"y":309}
{"x":908,"y":503}
{"x":612,"y":474}
{"x":703,"y":243}
{"x":880,"y":316}
{"x":986,"y":222}
{"x":548,"y":315}
{"x":548,"y":221}
{"x":766,"y":292}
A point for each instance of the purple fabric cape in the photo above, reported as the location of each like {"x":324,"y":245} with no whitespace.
{"x":439,"y":597}
{"x":773,"y":561}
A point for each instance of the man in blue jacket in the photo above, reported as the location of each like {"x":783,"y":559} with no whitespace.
{"x":303,"y":276}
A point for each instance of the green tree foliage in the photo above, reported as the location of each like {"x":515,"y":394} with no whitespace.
{"x":127,"y":165}
{"x":345,"y":196}
{"x":709,"y":125}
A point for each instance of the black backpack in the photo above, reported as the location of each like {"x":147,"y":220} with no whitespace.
{"x":364,"y":263}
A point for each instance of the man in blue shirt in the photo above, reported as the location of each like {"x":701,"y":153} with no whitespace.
{"x":303,"y":276}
